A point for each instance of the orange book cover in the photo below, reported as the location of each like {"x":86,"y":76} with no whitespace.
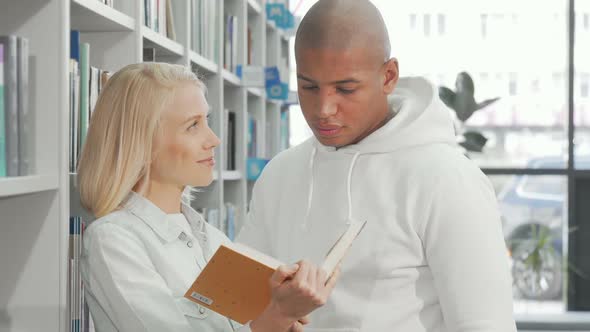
{"x":235,"y":281}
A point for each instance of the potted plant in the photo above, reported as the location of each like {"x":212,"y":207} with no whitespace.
{"x":462,"y":101}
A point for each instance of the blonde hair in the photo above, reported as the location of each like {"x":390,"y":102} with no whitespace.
{"x":117,"y":153}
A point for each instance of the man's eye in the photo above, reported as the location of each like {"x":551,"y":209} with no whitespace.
{"x":345,"y":91}
{"x":194,"y":125}
{"x":310,"y":87}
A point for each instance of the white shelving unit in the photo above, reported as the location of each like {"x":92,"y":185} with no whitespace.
{"x":35,"y":210}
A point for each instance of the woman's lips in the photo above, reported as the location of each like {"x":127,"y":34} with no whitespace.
{"x":208,"y":162}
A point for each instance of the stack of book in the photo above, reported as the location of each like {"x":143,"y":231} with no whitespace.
{"x":224,"y":220}
{"x":230,"y":55}
{"x":230,"y":139}
{"x":80,"y":319}
{"x":159,"y":16}
{"x":110,"y":3}
{"x":203,"y":23}
{"x":15,"y":127}
{"x":86,"y":83}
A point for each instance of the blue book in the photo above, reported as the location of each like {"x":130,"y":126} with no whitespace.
{"x":254,"y":167}
{"x":231,"y":220}
{"x":75,"y":45}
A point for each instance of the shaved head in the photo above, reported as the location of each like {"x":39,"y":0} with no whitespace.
{"x":343,"y":25}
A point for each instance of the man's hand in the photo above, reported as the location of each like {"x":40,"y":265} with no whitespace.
{"x":297,"y":290}
{"x":295,"y":296}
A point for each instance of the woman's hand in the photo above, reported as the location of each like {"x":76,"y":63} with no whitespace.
{"x":297,"y":290}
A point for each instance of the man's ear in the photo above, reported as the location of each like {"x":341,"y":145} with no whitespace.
{"x":391,"y":75}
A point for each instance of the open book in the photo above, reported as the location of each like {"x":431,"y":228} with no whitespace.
{"x":235,"y":282}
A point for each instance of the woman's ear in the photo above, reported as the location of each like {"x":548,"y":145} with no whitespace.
{"x":391,"y":75}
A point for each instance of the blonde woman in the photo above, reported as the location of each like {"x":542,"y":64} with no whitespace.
{"x":149,"y":140}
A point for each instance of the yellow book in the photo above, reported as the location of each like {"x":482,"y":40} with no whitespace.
{"x":236,"y":280}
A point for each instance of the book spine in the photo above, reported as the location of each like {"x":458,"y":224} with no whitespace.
{"x":72,"y":126}
{"x":11,"y":104}
{"x":234,"y":44}
{"x":170,"y":17}
{"x":2,"y":117}
{"x":75,"y":45}
{"x":24,"y":127}
{"x":76,"y":110}
{"x":84,"y":80}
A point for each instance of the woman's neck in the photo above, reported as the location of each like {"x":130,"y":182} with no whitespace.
{"x":165,"y":196}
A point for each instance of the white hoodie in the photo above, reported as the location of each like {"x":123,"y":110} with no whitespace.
{"x":431,"y":257}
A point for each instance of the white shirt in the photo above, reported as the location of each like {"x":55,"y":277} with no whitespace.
{"x":138,"y":262}
{"x":431,"y":257}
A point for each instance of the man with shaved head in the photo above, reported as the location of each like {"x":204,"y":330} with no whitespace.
{"x":432,"y":255}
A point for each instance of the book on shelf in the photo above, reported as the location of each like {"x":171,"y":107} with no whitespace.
{"x":78,"y":312}
{"x":170,"y":28}
{"x":251,"y":76}
{"x":85,"y":84}
{"x":2,"y":117}
{"x":249,"y":48}
{"x":230,"y":43}
{"x":159,"y":15}
{"x":252,"y":137}
{"x":230,"y":223}
{"x":224,"y":220}
{"x":15,"y":132}
{"x":149,"y":54}
{"x":254,"y":167}
{"x":230,"y":139}
{"x":203,"y":22}
{"x":109,"y":3}
{"x":25,"y":132}
{"x":284,"y":143}
{"x":235,"y":281}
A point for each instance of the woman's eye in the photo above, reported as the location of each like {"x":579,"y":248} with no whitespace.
{"x":193,"y":125}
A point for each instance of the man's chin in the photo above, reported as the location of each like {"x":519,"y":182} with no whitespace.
{"x":336,"y":142}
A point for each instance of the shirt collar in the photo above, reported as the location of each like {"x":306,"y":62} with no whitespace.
{"x":155,"y":218}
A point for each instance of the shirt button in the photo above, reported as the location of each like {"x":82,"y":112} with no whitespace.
{"x":189,"y":244}
{"x":202,"y":310}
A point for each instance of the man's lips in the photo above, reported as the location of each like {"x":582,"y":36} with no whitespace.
{"x":328,"y":130}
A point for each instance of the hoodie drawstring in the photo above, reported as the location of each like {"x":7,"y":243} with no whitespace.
{"x":348,"y":188}
{"x":310,"y":193}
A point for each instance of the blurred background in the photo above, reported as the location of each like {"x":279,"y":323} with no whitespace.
{"x":518,"y":55}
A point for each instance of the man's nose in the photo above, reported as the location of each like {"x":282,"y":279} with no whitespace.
{"x":328,"y":106}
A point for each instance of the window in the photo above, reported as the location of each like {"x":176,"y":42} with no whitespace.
{"x":512,"y":84}
{"x":516,"y":53}
{"x":413,"y":21}
{"x":535,"y":86}
{"x":584,"y":86}
{"x":426,"y":25}
{"x":484,"y":25}
{"x":441,"y":24}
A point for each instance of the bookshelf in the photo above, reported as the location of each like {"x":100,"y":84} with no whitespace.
{"x":35,"y":209}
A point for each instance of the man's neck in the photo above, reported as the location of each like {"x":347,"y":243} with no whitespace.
{"x":388,"y":116}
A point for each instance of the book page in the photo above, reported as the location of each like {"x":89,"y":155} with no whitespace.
{"x":256,"y":255}
{"x":338,"y":251}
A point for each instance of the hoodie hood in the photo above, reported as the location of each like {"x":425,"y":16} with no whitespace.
{"x":419,"y":118}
